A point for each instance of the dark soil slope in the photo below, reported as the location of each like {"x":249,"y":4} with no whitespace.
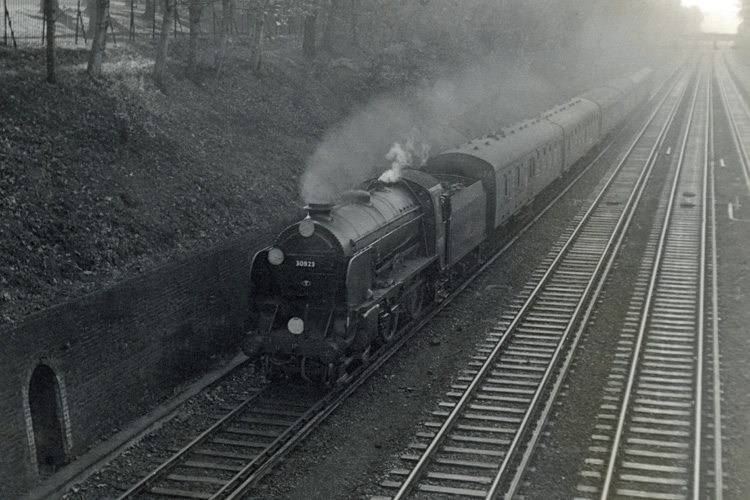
{"x":104,"y":178}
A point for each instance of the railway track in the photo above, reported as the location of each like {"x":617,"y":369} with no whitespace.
{"x":479,"y":441}
{"x":649,"y":439}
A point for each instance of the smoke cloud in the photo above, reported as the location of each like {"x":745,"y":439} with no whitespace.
{"x":450,"y":112}
{"x":519,"y":82}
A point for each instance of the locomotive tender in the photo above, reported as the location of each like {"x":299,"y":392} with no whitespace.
{"x":345,"y":278}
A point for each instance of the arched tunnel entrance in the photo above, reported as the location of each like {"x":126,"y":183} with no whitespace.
{"x":45,"y":404}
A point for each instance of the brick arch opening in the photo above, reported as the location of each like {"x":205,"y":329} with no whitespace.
{"x":46,"y":408}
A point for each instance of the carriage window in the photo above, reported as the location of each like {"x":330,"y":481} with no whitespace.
{"x":532,"y":168}
{"x":505,"y":184}
{"x":518,"y":176}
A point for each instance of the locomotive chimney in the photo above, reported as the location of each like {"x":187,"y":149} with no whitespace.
{"x":319,"y":209}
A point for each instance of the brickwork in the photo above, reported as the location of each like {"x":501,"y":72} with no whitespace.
{"x":117,"y":352}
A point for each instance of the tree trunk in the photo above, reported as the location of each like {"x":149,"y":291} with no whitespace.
{"x":195,"y":9}
{"x":308,"y":39}
{"x":258,"y":39}
{"x":42,"y":6}
{"x":91,"y":10}
{"x":160,"y":65}
{"x":325,"y":42}
{"x":150,"y":10}
{"x":50,"y":12}
{"x":223,"y":33}
{"x":99,"y":38}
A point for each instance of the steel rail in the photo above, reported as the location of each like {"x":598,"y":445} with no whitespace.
{"x":647,"y":307}
{"x":701,"y":306}
{"x":450,"y":421}
{"x":716,"y":359}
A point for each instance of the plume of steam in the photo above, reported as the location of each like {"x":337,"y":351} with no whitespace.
{"x":399,"y":159}
{"x":403,"y":156}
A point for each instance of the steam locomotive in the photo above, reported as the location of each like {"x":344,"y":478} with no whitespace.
{"x":346,"y":278}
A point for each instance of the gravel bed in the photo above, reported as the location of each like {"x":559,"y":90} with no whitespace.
{"x":193,"y":417}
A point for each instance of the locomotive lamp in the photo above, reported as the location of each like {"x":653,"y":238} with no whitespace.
{"x":296,"y":326}
{"x":275,"y":256}
{"x":306,"y":228}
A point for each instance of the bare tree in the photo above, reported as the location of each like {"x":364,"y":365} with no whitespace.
{"x":50,"y":14}
{"x":99,"y":41}
{"x":325,"y":42}
{"x":90,"y":10}
{"x":354,"y":20}
{"x":226,"y":22}
{"x":160,"y":65}
{"x":150,"y":10}
{"x":308,"y":36}
{"x":259,"y":33}
{"x":195,"y":9}
{"x":42,"y":5}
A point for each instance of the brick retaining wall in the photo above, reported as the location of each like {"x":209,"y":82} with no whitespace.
{"x":117,"y":352}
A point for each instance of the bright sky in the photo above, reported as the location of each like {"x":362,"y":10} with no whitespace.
{"x":719,"y":15}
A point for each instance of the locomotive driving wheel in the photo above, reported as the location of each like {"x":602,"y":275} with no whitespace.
{"x":414,"y":301}
{"x":388,"y":324}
